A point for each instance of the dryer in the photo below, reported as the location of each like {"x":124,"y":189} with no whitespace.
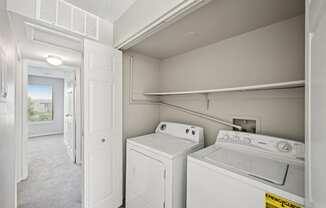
{"x":247,"y":170}
{"x":156,"y":166}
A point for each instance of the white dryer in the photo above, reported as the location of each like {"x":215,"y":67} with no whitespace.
{"x":156,"y":166}
{"x":246,"y":170}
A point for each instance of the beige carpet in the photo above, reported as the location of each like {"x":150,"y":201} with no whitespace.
{"x":53,"y":181}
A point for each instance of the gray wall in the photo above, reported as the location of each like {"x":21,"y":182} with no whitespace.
{"x":139,"y":118}
{"x":271,"y":54}
{"x":57,"y":125}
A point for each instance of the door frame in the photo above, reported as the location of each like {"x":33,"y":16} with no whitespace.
{"x":76,"y":114}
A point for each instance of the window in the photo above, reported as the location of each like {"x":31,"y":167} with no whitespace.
{"x":40,"y":105}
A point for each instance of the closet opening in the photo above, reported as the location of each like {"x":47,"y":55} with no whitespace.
{"x":229,"y":65}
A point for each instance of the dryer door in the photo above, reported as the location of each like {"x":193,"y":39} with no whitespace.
{"x":145,"y":181}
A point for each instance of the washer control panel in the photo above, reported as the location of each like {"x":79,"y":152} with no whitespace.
{"x":193,"y":133}
{"x":285,"y":147}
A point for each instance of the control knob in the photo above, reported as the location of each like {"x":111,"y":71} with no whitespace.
{"x":284,"y":147}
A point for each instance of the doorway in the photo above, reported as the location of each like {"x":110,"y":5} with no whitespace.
{"x":52,"y":150}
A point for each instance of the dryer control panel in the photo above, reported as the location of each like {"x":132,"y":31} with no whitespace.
{"x":189,"y":132}
{"x":284,"y":147}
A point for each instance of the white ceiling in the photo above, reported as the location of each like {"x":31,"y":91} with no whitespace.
{"x":218,"y":20}
{"x":37,"y":45}
{"x":44,"y":70}
{"x":107,"y":9}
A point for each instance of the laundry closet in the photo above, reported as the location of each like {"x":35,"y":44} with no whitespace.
{"x":239,"y":62}
{"x":219,"y":65}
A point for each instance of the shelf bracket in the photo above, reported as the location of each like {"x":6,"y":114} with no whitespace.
{"x":207,"y":101}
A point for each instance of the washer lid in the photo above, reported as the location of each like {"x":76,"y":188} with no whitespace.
{"x":164,"y":144}
{"x":263,"y":168}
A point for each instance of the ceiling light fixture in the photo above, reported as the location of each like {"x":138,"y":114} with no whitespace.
{"x":54,"y":60}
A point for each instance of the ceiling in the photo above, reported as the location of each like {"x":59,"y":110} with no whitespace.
{"x":37,"y":42}
{"x":43,"y":70}
{"x":110,"y":10}
{"x":216,"y":21}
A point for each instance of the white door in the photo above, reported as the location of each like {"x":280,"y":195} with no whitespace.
{"x":69,"y":115}
{"x":102,"y":124}
{"x":145,"y":181}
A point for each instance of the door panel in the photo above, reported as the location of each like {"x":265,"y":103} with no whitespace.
{"x":145,"y":181}
{"x":102,"y":86}
{"x":100,"y":103}
{"x":101,"y":160}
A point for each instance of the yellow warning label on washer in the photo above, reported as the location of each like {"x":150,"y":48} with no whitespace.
{"x":274,"y":201}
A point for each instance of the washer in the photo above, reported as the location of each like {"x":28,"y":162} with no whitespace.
{"x":246,"y":170}
{"x":156,"y":166}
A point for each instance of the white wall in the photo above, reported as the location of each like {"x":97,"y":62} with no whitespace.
{"x":26,"y":8}
{"x":7,"y":116}
{"x":57,"y":125}
{"x":271,"y":54}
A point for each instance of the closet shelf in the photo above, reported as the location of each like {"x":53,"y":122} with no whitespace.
{"x":272,"y":86}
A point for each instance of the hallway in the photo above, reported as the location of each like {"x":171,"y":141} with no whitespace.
{"x":53,"y":181}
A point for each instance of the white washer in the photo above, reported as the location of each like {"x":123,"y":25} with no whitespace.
{"x":156,"y":166}
{"x":245,"y":170}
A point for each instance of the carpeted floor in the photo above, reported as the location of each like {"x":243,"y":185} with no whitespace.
{"x":53,"y":181}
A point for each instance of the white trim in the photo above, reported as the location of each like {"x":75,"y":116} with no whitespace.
{"x":167,"y":19}
{"x":40,"y":122}
{"x":52,"y":31}
{"x":78,"y":117}
{"x":308,"y":39}
{"x":18,"y":120}
{"x":25,"y":123}
{"x":46,"y":134}
{"x":272,"y":86}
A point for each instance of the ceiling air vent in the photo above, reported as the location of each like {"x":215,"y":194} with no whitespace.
{"x":78,"y":24}
{"x":91,"y":26}
{"x":64,"y":15}
{"x":46,"y":10}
